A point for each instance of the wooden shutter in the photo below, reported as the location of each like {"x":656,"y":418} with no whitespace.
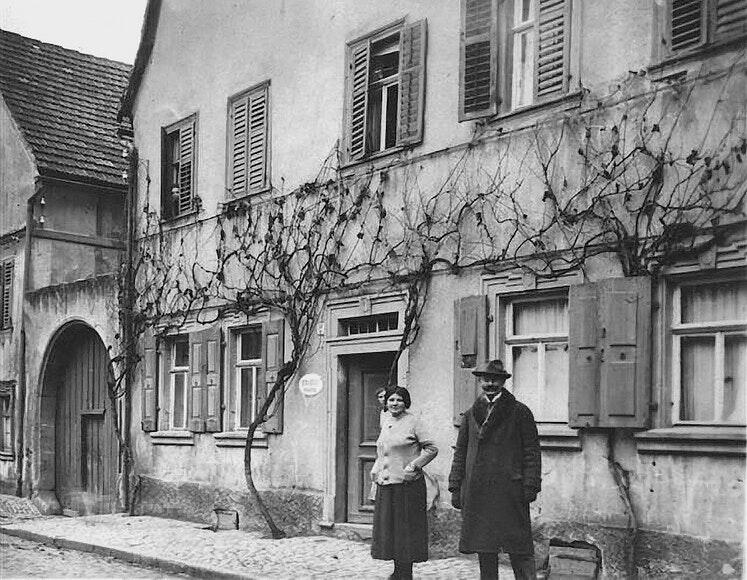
{"x":257,"y":166}
{"x":195,"y":405}
{"x":358,"y":64}
{"x":625,"y":321}
{"x":186,"y":167}
{"x":610,"y":353}
{"x":478,"y":59}
{"x":6,"y":308}
{"x":272,"y":360}
{"x":731,"y":19}
{"x":212,"y":376}
{"x":149,"y":403}
{"x":237,"y":145}
{"x":551,"y":65}
{"x":470,"y":348}
{"x":412,"y":53}
{"x":687,"y":24}
{"x":584,"y":359}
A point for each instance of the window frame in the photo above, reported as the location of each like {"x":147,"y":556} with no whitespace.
{"x":238,"y":365}
{"x":676,"y":330}
{"x":172,"y":371}
{"x":507,"y":340}
{"x":168,"y":133}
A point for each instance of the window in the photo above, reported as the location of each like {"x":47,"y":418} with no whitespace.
{"x":385,"y":90}
{"x":7,"y":390}
{"x":536,"y":352}
{"x":248,"y":374}
{"x":178,"y":169}
{"x":6,"y":294}
{"x":694,"y":23}
{"x":178,"y":382}
{"x":709,"y":352}
{"x":248,"y":124}
{"x":369,"y":324}
{"x":513,"y":54}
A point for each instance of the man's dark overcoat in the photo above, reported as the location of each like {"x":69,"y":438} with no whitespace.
{"x":497,"y":465}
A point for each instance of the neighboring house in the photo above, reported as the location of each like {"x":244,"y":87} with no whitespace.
{"x":62,"y":197}
{"x":637,"y":383}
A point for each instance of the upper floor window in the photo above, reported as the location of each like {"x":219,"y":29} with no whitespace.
{"x":694,"y":23}
{"x":248,"y":125}
{"x":178,"y":154}
{"x":385,"y":90}
{"x":709,"y":352}
{"x":513,"y":54}
{"x":6,"y":294}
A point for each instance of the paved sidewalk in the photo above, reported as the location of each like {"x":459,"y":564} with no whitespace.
{"x":186,"y":547}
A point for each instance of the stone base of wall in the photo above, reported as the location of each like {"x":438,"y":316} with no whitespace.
{"x":297,"y":512}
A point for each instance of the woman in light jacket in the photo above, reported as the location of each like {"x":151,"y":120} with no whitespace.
{"x":400,"y":530}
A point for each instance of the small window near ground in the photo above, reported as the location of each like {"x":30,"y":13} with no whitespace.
{"x":536,"y":352}
{"x":369,"y":324}
{"x":709,"y":352}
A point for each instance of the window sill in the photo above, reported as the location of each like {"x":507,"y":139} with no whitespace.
{"x":374,"y":157}
{"x":557,"y":437}
{"x":180,"y":220}
{"x":238,"y":439}
{"x":571,"y":100}
{"x":694,"y":440}
{"x":668,"y":67}
{"x":172,"y":438}
{"x":7,"y":456}
{"x":363,"y":336}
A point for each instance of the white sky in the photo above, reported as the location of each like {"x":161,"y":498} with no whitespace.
{"x":108,"y":28}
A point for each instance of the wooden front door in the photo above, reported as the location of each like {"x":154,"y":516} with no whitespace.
{"x":365,"y":374}
{"x":85,"y":441}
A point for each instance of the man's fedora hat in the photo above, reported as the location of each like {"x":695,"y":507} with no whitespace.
{"x":493,"y":367}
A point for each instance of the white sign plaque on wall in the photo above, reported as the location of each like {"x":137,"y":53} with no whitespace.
{"x":310,"y":385}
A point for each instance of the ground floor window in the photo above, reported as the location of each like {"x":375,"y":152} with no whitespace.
{"x":7,"y":390}
{"x":178,"y":382}
{"x":248,"y":368}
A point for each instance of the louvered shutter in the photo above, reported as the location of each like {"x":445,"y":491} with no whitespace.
{"x":257,"y":165}
{"x":195,"y":405}
{"x":625,"y":321}
{"x":470,"y":348}
{"x":412,"y":51}
{"x":584,"y":357}
{"x":687,"y":24}
{"x":186,"y":167}
{"x":149,"y":385}
{"x":731,"y":19}
{"x":237,"y":145}
{"x":212,"y":379}
{"x":6,"y":308}
{"x":551,"y":77}
{"x":357,"y":69}
{"x":273,"y":353}
{"x":478,"y":59}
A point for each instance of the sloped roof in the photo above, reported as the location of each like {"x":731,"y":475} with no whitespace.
{"x":66,"y":105}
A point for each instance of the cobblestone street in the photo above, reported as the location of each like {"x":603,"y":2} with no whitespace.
{"x":25,"y":559}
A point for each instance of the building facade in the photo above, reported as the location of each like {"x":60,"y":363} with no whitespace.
{"x":623,"y":320}
{"x":61,"y":236}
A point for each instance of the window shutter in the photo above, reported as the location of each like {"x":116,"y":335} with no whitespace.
{"x":238,"y":123}
{"x":478,"y":59}
{"x":550,"y":68}
{"x":6,"y":272}
{"x":213,"y":408}
{"x":625,"y":321}
{"x":731,"y":18}
{"x":186,"y":167}
{"x":149,"y":403}
{"x":687,"y":24}
{"x":195,"y":411}
{"x":257,"y":169}
{"x":412,"y":53}
{"x":272,"y":361}
{"x":584,"y":357}
{"x":470,"y":345}
{"x":358,"y":60}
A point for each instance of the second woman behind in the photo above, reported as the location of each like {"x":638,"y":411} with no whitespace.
{"x":400,"y":530}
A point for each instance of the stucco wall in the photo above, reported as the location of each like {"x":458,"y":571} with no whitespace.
{"x":17,"y":172}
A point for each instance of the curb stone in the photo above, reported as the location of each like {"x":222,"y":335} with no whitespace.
{"x":164,"y":564}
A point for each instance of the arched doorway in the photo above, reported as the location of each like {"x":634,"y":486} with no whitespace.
{"x":78,"y":442}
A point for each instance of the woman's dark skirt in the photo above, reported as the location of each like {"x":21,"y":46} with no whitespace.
{"x":400,"y":528}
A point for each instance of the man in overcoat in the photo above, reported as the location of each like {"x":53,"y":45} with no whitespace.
{"x":495,"y":475}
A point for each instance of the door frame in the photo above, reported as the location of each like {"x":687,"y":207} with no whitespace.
{"x":335,"y":441}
